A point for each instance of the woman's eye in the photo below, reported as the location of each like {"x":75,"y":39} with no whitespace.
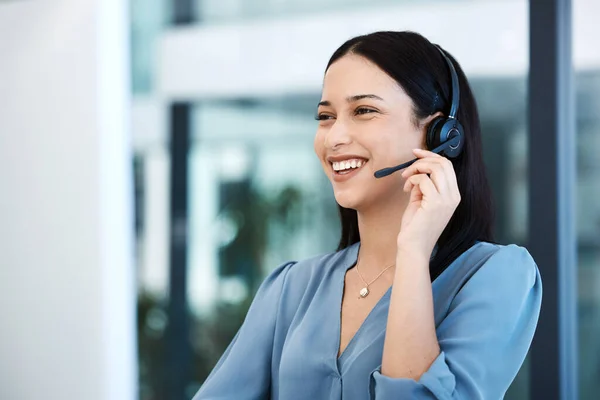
{"x":358,"y":111}
{"x":362,"y":111}
{"x":322,"y":117}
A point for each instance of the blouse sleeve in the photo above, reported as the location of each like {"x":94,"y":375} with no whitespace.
{"x":244,"y":369}
{"x":484,"y":338}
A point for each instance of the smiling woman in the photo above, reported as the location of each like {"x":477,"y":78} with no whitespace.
{"x":417,"y":302}
{"x":413,"y":98}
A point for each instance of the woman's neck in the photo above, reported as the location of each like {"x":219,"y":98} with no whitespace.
{"x":379,"y":227}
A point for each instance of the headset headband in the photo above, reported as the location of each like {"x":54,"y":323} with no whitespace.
{"x":455,"y":87}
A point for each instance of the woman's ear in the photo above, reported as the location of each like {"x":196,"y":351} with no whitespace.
{"x":424,"y":124}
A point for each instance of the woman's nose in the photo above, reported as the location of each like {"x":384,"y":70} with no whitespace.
{"x":337,"y":135}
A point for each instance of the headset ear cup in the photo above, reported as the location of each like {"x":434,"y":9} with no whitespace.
{"x":433,"y":139}
{"x":451,"y":129}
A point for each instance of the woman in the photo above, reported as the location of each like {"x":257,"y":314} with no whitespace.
{"x":417,"y":303}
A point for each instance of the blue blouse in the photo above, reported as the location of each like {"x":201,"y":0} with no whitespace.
{"x":486,"y":306}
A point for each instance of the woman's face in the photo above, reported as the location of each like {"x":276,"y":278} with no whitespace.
{"x":365,"y":124}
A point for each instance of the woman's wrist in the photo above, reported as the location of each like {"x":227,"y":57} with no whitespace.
{"x":415,"y":248}
{"x":408,"y":254}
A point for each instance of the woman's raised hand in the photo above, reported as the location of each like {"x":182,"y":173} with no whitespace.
{"x":434,"y":196}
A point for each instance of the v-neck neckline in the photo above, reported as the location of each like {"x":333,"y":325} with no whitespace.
{"x":349,"y":258}
{"x":349,"y":261}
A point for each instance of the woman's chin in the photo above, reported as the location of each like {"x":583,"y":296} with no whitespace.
{"x":349,"y":201}
{"x":362,"y":200}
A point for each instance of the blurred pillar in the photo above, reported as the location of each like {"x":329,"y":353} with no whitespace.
{"x":552,"y":180}
{"x":178,"y":347}
{"x":67,"y":282}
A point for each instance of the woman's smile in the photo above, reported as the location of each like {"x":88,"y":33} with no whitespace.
{"x":346,"y":167}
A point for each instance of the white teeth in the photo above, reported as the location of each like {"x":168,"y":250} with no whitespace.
{"x":347,"y":164}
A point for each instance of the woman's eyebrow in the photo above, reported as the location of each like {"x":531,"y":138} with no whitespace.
{"x":351,"y":99}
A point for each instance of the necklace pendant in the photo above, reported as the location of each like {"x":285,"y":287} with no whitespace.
{"x":364,"y":292}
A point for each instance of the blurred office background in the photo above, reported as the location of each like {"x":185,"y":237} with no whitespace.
{"x":156,"y":162}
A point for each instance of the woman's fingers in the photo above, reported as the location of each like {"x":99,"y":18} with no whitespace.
{"x":440,"y":170}
{"x":424,"y":184}
{"x":426,"y":153}
{"x":434,"y":168}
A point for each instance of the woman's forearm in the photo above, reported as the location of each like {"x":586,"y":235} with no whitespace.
{"x":411,"y":343}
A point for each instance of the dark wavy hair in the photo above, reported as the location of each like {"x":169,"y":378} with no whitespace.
{"x":420,"y":69}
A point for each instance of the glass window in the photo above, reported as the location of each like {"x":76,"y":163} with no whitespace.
{"x":148,"y":19}
{"x":587,"y":97}
{"x":227,"y":11}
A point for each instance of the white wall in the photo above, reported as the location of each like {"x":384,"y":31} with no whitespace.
{"x":67,"y":291}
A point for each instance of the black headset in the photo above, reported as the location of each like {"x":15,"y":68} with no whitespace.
{"x":445,"y":135}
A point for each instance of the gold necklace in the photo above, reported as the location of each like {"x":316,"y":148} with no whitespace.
{"x":364,"y":292}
